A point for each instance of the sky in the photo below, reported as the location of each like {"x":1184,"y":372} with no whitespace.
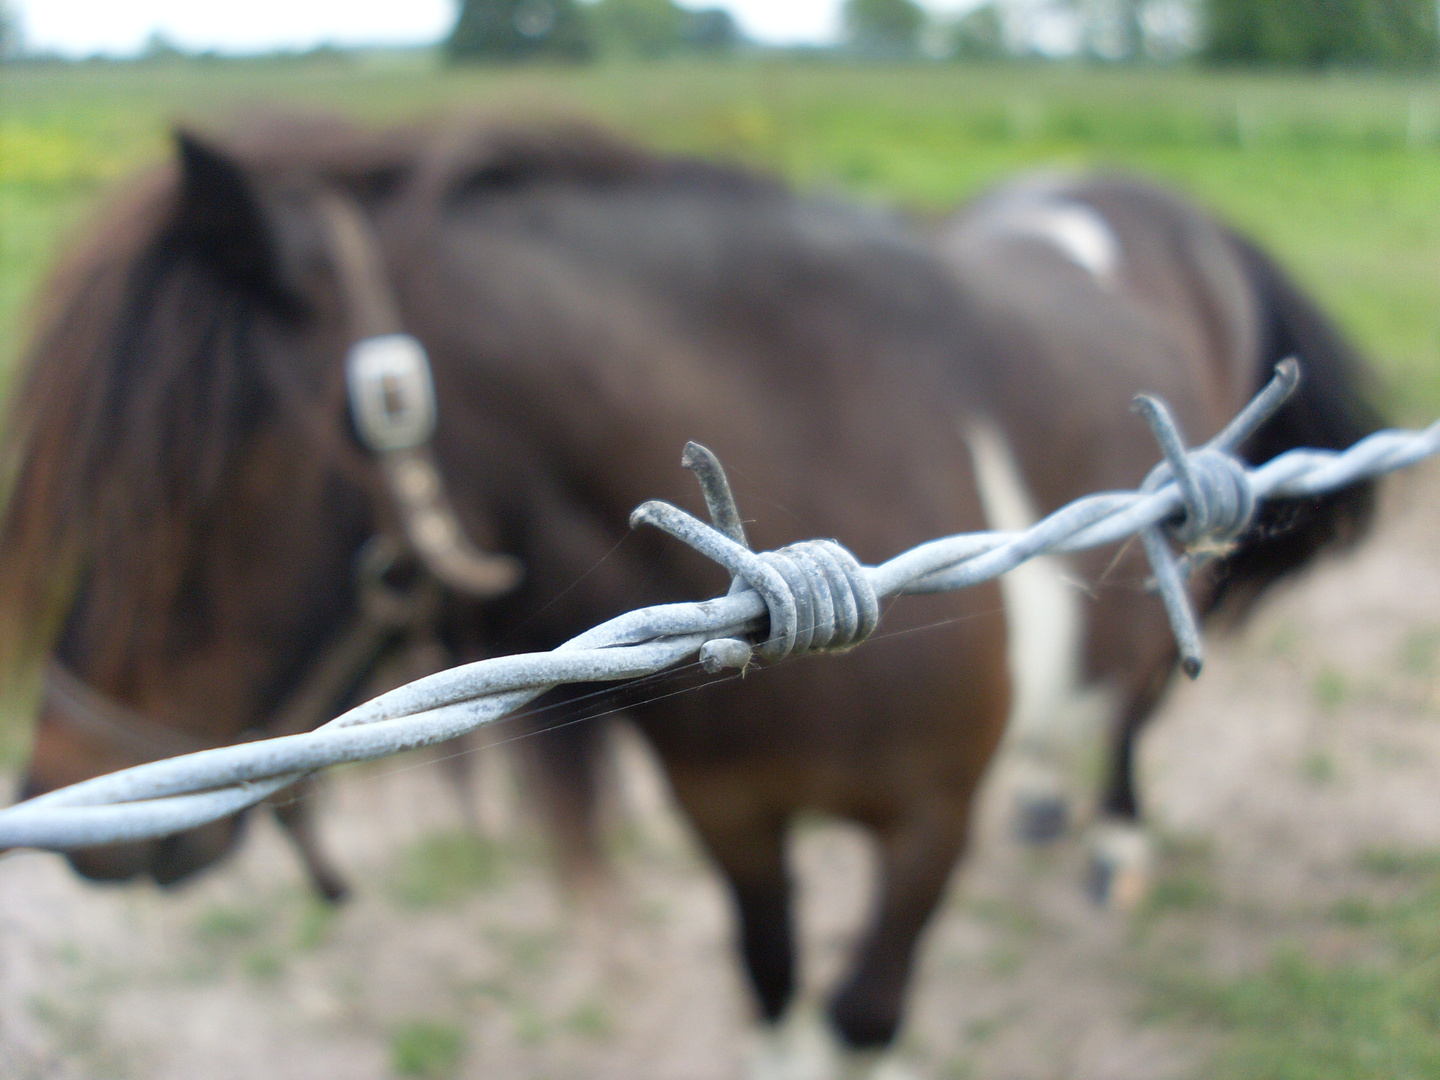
{"x":121,"y":27}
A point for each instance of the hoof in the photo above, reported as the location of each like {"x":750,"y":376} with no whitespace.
{"x":799,"y":1047}
{"x":891,"y":1068}
{"x":332,"y":889}
{"x":1041,"y":818}
{"x":1120,"y":865}
{"x":875,"y":1065}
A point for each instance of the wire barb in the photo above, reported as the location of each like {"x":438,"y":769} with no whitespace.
{"x":1217,"y":498}
{"x":816,"y":593}
{"x":714,"y":485}
{"x":1261,"y":408}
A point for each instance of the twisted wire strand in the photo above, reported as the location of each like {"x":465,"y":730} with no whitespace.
{"x":811,"y":595}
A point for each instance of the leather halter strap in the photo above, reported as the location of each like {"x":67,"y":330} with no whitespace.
{"x":392,"y":402}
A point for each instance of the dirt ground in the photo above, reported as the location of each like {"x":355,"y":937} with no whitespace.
{"x":1313,"y":735}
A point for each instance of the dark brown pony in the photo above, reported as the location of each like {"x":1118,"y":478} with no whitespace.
{"x":188,"y":498}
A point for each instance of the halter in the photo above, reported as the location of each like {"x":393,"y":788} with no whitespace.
{"x":392,"y":402}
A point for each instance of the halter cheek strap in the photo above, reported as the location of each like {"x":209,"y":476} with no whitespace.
{"x":392,"y":403}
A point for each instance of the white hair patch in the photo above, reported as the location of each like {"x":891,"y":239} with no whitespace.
{"x":1077,"y":231}
{"x":1044,"y":617}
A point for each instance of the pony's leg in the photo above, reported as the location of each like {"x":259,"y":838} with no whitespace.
{"x":915,"y":861}
{"x":747,"y":842}
{"x":1042,"y":805}
{"x":1118,"y":875}
{"x":798,"y":1046}
{"x":752,"y":856}
{"x":293,"y":811}
{"x":479,"y":772}
{"x":457,"y":763}
{"x":564,"y":773}
{"x":1119,"y":801}
{"x":1120,"y":850}
{"x":793,"y":1042}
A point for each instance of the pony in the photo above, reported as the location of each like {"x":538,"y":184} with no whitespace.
{"x":191,"y":490}
{"x":1095,"y":278}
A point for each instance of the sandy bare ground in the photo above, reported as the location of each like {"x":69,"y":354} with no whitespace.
{"x":1313,"y":735}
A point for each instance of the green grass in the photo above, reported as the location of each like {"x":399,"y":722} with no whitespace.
{"x":1398,"y":864}
{"x":1330,"y":690}
{"x":1372,"y":1015}
{"x":1337,"y":174}
{"x":315,"y":923}
{"x":427,"y":1049}
{"x":1181,"y":891}
{"x":1318,"y":767}
{"x":591,"y":1020}
{"x":1300,"y":1020}
{"x":225,"y":923}
{"x":264,"y":964}
{"x":256,"y":939}
{"x":1420,"y":652}
{"x":443,"y":869}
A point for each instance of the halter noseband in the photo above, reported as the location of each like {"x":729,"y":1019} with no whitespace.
{"x":392,"y":405}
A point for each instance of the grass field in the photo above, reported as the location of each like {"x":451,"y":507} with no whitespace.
{"x":1337,"y":174}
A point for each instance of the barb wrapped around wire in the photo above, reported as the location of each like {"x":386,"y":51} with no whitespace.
{"x":805,"y":597}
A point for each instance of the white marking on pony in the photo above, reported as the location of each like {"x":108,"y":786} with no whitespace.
{"x":803,"y":1046}
{"x":1121,"y":864}
{"x":1079,"y":232}
{"x":1043,"y":614}
{"x":800,"y":1046}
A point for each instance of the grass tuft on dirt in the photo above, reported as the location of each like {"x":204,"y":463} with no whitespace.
{"x":428,"y":1049}
{"x":1373,"y":1015}
{"x":445,"y":868}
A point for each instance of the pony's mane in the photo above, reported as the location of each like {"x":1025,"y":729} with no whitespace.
{"x":151,"y":363}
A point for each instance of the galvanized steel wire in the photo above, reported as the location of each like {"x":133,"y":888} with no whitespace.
{"x":805,"y":597}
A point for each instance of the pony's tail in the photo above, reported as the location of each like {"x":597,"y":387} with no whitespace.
{"x":1332,"y":409}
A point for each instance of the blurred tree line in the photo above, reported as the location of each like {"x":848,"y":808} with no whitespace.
{"x":566,"y":30}
{"x":1321,"y":33}
{"x":1279,"y":33}
{"x":11,"y":41}
{"x":1292,"y":33}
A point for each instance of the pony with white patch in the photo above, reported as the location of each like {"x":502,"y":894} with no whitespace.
{"x":1099,"y":286}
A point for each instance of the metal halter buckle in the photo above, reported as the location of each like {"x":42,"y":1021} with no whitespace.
{"x":392,"y":396}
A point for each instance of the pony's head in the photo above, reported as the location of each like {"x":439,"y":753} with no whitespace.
{"x":186,"y":498}
{"x":188,"y":489}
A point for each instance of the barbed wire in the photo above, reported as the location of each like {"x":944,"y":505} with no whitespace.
{"x":806,"y":597}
